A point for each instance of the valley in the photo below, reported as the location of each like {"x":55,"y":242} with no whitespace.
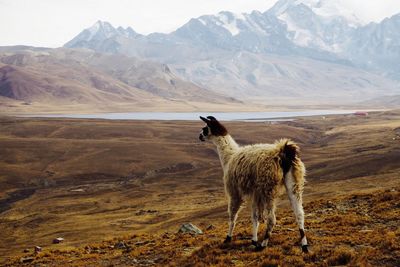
{"x":98,"y":182}
{"x":100,"y":158}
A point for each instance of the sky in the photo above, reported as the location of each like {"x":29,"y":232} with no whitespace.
{"x":51,"y":23}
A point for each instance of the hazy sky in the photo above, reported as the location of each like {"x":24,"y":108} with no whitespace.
{"x":52,"y":23}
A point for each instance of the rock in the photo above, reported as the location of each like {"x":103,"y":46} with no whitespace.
{"x":330,"y":204}
{"x":210,"y":227}
{"x":366,"y":231}
{"x":58,"y":240}
{"x":122,"y":245}
{"x":119,"y":245}
{"x":190,"y":228}
{"x":78,"y":190}
{"x":26,"y":259}
{"x":38,"y":249}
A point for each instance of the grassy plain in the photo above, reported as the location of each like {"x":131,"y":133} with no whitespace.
{"x":98,"y":182}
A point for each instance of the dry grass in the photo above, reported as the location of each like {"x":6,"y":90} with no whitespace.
{"x":94,"y":180}
{"x":332,"y":242}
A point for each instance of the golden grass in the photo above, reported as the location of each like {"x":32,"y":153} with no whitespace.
{"x":332,"y":243}
{"x":94,"y":180}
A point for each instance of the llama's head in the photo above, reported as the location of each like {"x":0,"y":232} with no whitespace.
{"x":212,"y":129}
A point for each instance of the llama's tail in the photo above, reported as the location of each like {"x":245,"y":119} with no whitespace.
{"x":289,"y":154}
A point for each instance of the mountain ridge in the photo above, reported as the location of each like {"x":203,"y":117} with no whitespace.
{"x":84,"y":77}
{"x":306,"y":31}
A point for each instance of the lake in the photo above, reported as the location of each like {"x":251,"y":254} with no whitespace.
{"x":223,"y":116}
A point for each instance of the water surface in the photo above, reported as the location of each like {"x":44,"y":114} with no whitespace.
{"x":224,"y":116}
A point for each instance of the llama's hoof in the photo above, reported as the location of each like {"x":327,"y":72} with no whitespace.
{"x":228,"y":239}
{"x":304,"y":248}
{"x":257,"y":246}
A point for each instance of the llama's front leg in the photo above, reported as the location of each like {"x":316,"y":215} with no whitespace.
{"x":255,"y":222}
{"x":233,"y":209}
{"x":296,"y":202}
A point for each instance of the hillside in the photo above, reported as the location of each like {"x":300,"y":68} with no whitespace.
{"x":297,"y":51}
{"x":58,"y":78}
{"x":384,"y":101}
{"x":357,"y":230}
{"x":276,"y":79}
{"x":94,"y":180}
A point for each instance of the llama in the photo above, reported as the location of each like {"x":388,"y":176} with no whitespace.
{"x":259,"y":173}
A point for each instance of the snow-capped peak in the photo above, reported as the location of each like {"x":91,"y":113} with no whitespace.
{"x":319,"y":24}
{"x":324,"y":8}
{"x":333,"y":8}
{"x":101,"y":26}
{"x":229,"y":20}
{"x":100,"y":31}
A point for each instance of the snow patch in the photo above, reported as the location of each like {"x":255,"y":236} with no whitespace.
{"x":332,"y":8}
{"x":240,"y":16}
{"x":301,"y":37}
{"x":94,"y":29}
{"x":203,"y":22}
{"x":106,"y":28}
{"x":252,"y":24}
{"x":304,"y":37}
{"x":228,"y":24}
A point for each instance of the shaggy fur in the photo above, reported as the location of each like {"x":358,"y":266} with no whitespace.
{"x":258,"y":172}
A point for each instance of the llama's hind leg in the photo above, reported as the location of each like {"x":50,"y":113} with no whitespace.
{"x":296,"y":202}
{"x":233,"y":209}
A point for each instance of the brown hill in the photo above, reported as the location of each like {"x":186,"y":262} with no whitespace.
{"x":79,"y":77}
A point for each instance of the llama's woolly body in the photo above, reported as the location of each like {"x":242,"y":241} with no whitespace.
{"x":255,"y":171}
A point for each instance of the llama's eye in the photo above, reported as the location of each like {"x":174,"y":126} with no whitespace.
{"x":205,"y":131}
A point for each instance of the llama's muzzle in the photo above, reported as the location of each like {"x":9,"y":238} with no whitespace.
{"x":201,"y":137}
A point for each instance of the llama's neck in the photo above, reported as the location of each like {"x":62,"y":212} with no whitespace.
{"x":226,"y":147}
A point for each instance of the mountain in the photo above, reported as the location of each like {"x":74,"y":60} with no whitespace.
{"x":327,"y":9}
{"x":384,"y":102}
{"x":84,"y":77}
{"x":315,"y":24}
{"x":376,"y":46}
{"x":99,"y":33}
{"x":274,"y":79}
{"x":308,"y":28}
{"x":299,"y":50}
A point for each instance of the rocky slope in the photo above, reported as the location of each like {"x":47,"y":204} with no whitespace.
{"x":319,"y":51}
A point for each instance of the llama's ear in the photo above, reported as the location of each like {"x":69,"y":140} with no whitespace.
{"x":204,"y":119}
{"x":211,"y":118}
